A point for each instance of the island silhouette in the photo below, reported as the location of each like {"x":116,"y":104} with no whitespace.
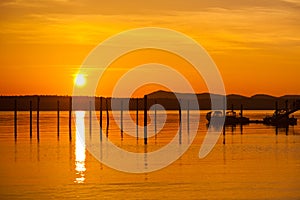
{"x":167,"y":99}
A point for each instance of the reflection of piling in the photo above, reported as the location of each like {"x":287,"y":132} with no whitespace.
{"x":145,"y":119}
{"x":137,"y":118}
{"x":224,"y":134}
{"x":145,"y":157}
{"x":241,"y":128}
{"x":180,"y":128}
{"x":70,"y":118}
{"x":16,"y":118}
{"x":30,"y":118}
{"x":100,"y":118}
{"x":121,"y":116}
{"x":38,"y":119}
{"x":58,"y":119}
{"x":107,"y":117}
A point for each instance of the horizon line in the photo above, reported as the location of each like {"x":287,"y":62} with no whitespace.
{"x":157,"y":91}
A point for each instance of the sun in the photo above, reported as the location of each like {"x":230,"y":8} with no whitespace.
{"x":79,"y":80}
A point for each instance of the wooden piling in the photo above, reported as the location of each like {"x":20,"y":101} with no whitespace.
{"x":242,"y":110}
{"x":57,"y":119}
{"x":30,"y":118}
{"x":16,"y":118}
{"x":180,"y":127}
{"x":155,"y":119}
{"x":121,"y":116}
{"x":70,"y":118}
{"x":38,"y":119}
{"x":276,"y":108}
{"x":107,"y":117}
{"x":100,"y":118}
{"x":224,"y":106}
{"x":145,"y":120}
{"x":137,"y":118}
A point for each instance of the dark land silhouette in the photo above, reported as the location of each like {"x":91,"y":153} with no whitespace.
{"x":167,"y":99}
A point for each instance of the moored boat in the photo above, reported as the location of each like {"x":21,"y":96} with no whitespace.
{"x":282,"y":117}
{"x":231,"y":117}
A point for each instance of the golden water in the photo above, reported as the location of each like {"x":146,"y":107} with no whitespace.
{"x":257,"y":164}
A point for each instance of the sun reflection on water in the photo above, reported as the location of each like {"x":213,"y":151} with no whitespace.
{"x":80,"y":147}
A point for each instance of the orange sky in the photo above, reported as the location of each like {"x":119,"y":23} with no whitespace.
{"x":255,"y":44}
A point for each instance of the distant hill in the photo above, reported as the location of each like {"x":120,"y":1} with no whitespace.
{"x":167,"y":99}
{"x":256,"y":102}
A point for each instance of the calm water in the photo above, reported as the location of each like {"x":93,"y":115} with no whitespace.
{"x":254,"y":163}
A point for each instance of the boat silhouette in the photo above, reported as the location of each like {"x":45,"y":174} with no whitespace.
{"x":231,"y":117}
{"x":282,"y":117}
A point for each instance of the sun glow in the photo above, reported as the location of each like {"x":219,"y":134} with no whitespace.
{"x":80,"y":80}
